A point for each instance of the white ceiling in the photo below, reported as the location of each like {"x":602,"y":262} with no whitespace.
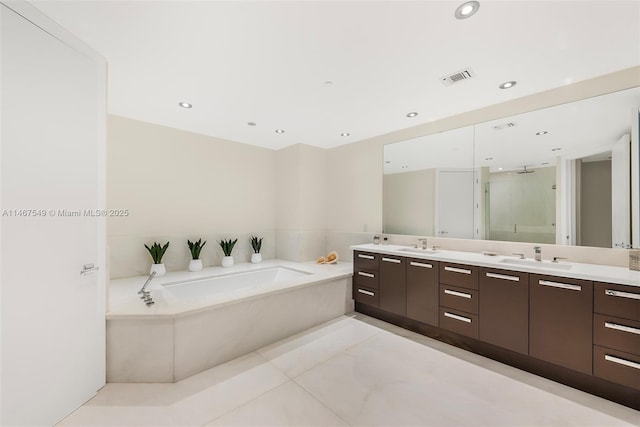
{"x":267,"y":62}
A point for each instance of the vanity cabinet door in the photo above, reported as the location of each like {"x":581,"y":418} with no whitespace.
{"x":560,"y":321}
{"x":422,"y":291}
{"x":504,"y":309}
{"x":393,"y":284}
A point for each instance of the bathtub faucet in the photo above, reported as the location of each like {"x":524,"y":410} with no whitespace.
{"x":146,"y":295}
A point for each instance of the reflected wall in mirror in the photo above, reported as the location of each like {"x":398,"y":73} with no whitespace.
{"x":556,"y":175}
{"x":428,"y":185}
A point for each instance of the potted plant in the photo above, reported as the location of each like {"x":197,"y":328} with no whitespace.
{"x":195,"y":247}
{"x":157,"y":252}
{"x":227,"y":247}
{"x":256,"y":244}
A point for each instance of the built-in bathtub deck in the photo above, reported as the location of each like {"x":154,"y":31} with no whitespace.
{"x":176,"y":338}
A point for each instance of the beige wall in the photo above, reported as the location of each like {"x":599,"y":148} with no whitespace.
{"x":179,"y":185}
{"x":301,"y":203}
{"x":408,"y":202}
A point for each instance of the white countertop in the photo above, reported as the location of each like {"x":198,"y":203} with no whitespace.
{"x":125,"y":303}
{"x":599,"y":273}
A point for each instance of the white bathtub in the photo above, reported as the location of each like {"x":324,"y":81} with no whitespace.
{"x":206,"y":318}
{"x":239,"y":282}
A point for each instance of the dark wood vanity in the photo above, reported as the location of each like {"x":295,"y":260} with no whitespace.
{"x":581,"y":333}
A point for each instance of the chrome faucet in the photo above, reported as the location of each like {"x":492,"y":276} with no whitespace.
{"x":538,"y":253}
{"x":424,"y":242}
{"x":146,"y":295}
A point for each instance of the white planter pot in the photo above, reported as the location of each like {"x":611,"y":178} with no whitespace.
{"x":195,"y":265}
{"x":227,"y":261}
{"x":159,"y":269}
{"x":256,"y":258}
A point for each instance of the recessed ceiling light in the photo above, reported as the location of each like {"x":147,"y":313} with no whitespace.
{"x":467,"y":9}
{"x":412,"y":114}
{"x":279,"y":130}
{"x":345,"y":134}
{"x":328,"y":82}
{"x":556,"y":149}
{"x":500,"y":169}
{"x":185,"y":104}
{"x":544,"y":132}
{"x":251,"y":123}
{"x":508,"y":85}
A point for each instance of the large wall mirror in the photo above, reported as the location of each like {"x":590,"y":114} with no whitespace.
{"x":560,"y":175}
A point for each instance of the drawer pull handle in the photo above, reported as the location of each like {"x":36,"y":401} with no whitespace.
{"x":622,"y":328}
{"x":366,"y":256}
{"x":362,"y":273}
{"x":458,"y":270}
{"x":457,"y":294}
{"x":420,"y":264}
{"x":613,"y":293}
{"x":396,"y":261}
{"x":560,"y":285}
{"x":456,"y":317}
{"x":504,"y":277}
{"x":620,"y":361}
{"x":362,"y":291}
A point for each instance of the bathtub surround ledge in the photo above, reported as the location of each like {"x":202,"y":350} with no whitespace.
{"x":169,"y":342}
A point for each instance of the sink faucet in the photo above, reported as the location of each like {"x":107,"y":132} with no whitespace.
{"x":538,"y":253}
{"x":424,"y":242}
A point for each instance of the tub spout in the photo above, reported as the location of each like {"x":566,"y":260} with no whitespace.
{"x":146,"y":295}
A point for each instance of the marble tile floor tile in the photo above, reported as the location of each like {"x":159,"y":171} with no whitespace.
{"x":359,"y":371}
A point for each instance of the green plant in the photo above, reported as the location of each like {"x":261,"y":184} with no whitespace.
{"x":195,"y":248}
{"x":227,"y":246}
{"x":256,"y":244}
{"x":157,"y":251}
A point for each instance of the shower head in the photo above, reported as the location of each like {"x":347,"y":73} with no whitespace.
{"x":525,"y":170}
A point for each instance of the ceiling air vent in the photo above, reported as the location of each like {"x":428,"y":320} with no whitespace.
{"x":457,"y":77}
{"x":504,"y":126}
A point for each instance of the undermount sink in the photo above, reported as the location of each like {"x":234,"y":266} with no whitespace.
{"x":419,"y":251}
{"x":534,"y":263}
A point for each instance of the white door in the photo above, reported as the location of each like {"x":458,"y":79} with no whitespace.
{"x":455,"y":204}
{"x":53,"y":318}
{"x":620,"y":193}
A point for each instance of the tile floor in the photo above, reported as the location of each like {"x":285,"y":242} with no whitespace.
{"x":354,"y":370}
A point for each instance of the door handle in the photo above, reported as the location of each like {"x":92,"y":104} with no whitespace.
{"x":88,"y":269}
{"x":560,"y":285}
{"x":420,"y":264}
{"x":458,"y":270}
{"x":457,"y":294}
{"x":622,"y":294}
{"x":503,"y":277}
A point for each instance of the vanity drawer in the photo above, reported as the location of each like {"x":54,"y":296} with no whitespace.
{"x":365,"y":260}
{"x":617,"y":300}
{"x":366,"y":278}
{"x":365,"y":295}
{"x":614,"y":332}
{"x":459,"y":322}
{"x":459,"y":275}
{"x":616,"y":366}
{"x":459,"y":298}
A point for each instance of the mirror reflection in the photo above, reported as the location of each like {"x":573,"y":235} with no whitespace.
{"x":557,"y":175}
